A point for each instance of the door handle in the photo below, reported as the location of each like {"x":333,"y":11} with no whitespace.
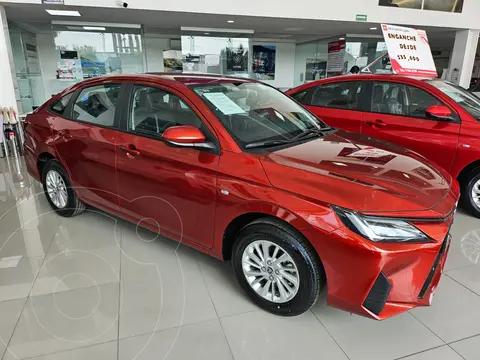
{"x":130,"y":150}
{"x":377,"y":123}
{"x":65,"y":134}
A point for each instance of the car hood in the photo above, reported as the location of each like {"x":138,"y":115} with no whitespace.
{"x":358,"y":172}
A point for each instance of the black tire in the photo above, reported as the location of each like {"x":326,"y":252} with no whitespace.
{"x":74,"y":205}
{"x":467,"y":196}
{"x":310,"y":270}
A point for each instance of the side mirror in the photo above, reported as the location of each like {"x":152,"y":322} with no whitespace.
{"x":186,"y":136}
{"x":439,"y":112}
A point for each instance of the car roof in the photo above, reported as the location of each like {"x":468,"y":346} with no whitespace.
{"x":380,"y":77}
{"x":195,"y":79}
{"x":177,"y":80}
{"x":183,"y":78}
{"x":362,"y":76}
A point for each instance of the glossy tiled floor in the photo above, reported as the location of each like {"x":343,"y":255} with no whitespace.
{"x":95,"y":287}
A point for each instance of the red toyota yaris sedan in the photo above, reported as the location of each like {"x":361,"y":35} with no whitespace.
{"x":237,"y":169}
{"x":432,"y":117}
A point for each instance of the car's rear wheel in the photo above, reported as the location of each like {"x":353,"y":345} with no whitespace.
{"x":277,"y":267}
{"x":59,"y":192}
{"x":471,"y":193}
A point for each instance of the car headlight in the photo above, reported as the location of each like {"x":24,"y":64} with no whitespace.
{"x":380,"y":229}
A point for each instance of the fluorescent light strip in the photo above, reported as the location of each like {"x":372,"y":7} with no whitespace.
{"x":83,"y":23}
{"x":63,"y":12}
{"x":215,"y":30}
{"x":99,"y":28}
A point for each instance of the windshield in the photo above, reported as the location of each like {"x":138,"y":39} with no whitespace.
{"x":254,"y":112}
{"x":464,"y":98}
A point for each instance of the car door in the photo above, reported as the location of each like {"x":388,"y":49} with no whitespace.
{"x":172,"y":188}
{"x":398,"y":114}
{"x":339,"y":104}
{"x":85,"y":142}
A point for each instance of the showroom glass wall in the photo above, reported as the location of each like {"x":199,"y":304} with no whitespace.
{"x":217,"y":54}
{"x":83,"y":52}
{"x":73,"y":51}
{"x":27,"y":68}
{"x":311,"y":59}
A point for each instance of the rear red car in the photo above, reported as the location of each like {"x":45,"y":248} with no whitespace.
{"x":432,"y":117}
{"x":237,"y":169}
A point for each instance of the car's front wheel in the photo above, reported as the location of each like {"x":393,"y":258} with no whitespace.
{"x":277,"y":267}
{"x":471,"y":193}
{"x":59,"y":192}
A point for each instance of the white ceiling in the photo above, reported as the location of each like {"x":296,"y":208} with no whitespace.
{"x":36,"y":19}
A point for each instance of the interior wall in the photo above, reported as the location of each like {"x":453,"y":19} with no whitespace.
{"x":48,"y":63}
{"x":284,"y":63}
{"x":9,"y":88}
{"x":154,"y":47}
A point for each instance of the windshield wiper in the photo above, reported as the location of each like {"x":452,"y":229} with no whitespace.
{"x":308,"y":132}
{"x":302,"y":135}
{"x":261,"y":144}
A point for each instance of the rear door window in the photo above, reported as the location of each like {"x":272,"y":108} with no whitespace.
{"x":389,"y":98}
{"x":97,"y":104}
{"x":340,"y":95}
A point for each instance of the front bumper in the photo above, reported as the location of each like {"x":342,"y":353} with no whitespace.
{"x":381,"y":280}
{"x":377,"y":301}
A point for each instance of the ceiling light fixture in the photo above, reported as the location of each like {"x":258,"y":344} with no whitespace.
{"x":202,"y":30}
{"x":230,"y":21}
{"x":341,"y":38}
{"x":373,"y":28}
{"x":207,"y":33}
{"x":63,"y":13}
{"x":99,"y":28}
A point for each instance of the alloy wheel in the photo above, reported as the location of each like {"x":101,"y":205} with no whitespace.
{"x":476,"y":193}
{"x":270,"y":271}
{"x":56,"y":189}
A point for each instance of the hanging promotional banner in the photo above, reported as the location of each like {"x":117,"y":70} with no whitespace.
{"x":336,"y":56}
{"x":409,"y":51}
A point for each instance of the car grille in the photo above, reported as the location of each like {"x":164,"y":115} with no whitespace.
{"x":442,"y":251}
{"x":378,"y":295}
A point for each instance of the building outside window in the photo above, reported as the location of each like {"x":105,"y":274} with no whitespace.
{"x":101,"y":51}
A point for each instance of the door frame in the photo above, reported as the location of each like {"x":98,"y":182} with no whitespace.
{"x":125,"y":111}
{"x":126,"y":107}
